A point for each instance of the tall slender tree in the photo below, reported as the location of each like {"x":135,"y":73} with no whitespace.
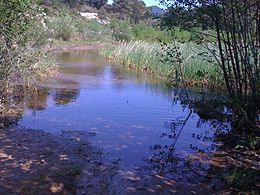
{"x":237,"y":27}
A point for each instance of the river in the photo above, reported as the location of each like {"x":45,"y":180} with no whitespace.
{"x":134,"y":118}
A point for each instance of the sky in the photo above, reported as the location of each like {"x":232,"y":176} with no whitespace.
{"x":147,"y":2}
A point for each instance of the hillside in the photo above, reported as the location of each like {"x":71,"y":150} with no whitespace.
{"x":156,"y":10}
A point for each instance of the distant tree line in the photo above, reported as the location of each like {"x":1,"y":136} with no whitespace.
{"x":132,"y":10}
{"x":72,"y":3}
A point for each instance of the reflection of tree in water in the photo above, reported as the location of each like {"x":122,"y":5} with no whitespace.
{"x":65,"y":96}
{"x":12,"y":106}
{"x":218,"y":159}
{"x":238,"y":168}
{"x":118,"y":75}
{"x":165,"y":160}
{"x":37,"y":100}
{"x":14,"y":103}
{"x":76,"y":56}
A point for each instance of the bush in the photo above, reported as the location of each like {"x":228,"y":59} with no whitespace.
{"x":20,"y":36}
{"x":121,"y":30}
{"x":125,"y":31}
{"x":148,"y":33}
{"x":60,"y":27}
{"x":92,"y":30}
{"x":68,"y":26}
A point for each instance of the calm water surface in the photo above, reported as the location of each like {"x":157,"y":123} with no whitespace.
{"x":128,"y":115}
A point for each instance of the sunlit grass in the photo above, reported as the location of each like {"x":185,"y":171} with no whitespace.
{"x":148,"y":57}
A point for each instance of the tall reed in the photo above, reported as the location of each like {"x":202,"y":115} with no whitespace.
{"x":153,"y":57}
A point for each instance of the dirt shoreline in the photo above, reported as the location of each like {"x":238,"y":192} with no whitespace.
{"x":37,"y":162}
{"x":75,"y":47}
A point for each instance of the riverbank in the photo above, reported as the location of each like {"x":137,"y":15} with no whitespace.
{"x":65,"y":162}
{"x":176,"y":63}
{"x":64,"y":46}
{"x":36,"y":162}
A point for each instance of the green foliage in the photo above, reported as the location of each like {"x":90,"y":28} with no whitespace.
{"x":57,"y":3}
{"x":61,"y":27}
{"x":22,"y":33}
{"x":125,"y":31}
{"x":73,"y":3}
{"x":121,"y":30}
{"x":64,"y":24}
{"x":186,"y":17}
{"x":94,"y":3}
{"x":237,"y":40}
{"x":15,"y":19}
{"x":241,"y":178}
{"x":163,"y":61}
{"x":188,"y":65}
{"x":140,"y":55}
{"x":70,"y":27}
{"x":133,"y":10}
{"x":92,"y":30}
{"x":148,"y":33}
{"x":181,"y":35}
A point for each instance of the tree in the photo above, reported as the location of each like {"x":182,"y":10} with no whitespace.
{"x":178,"y":15}
{"x":71,"y":3}
{"x":237,"y":38}
{"x":94,"y":3}
{"x":138,"y":11}
{"x":129,"y":9}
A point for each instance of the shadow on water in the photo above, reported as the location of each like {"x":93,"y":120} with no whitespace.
{"x":214,"y":118}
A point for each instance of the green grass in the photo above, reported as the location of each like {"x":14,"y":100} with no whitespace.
{"x":148,"y":33}
{"x":154,"y":58}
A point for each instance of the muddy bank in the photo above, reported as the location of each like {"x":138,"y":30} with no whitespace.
{"x":75,"y":47}
{"x":36,"y":162}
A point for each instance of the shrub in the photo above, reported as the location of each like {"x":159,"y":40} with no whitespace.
{"x":92,"y":30}
{"x":60,"y":27}
{"x":19,"y":39}
{"x":121,"y":30}
{"x":148,"y":33}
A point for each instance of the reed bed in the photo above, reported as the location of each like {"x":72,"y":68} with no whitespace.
{"x":153,"y":57}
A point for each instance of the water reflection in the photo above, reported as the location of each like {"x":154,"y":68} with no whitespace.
{"x":65,"y":96}
{"x":37,"y":100}
{"x":132,"y":116}
{"x":214,"y":118}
